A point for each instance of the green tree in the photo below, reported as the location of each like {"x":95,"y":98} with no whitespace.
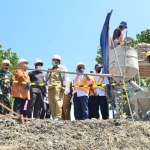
{"x":13,"y":58}
{"x":98,"y":58}
{"x":143,"y":37}
{"x":8,"y":54}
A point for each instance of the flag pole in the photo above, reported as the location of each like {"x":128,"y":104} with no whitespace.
{"x":109,"y":38}
{"x":113,"y":102}
{"x":109,"y":31}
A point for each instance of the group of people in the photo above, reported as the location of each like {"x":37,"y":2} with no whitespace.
{"x":88,"y":93}
{"x":35,"y":85}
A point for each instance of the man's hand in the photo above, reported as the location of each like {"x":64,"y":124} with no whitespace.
{"x":62,"y":89}
{"x":93,"y":91}
{"x":27,"y":86}
{"x":49,"y":69}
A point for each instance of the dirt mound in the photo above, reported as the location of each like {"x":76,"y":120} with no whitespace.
{"x":76,"y":135}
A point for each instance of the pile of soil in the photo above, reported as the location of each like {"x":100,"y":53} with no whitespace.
{"x":76,"y":135}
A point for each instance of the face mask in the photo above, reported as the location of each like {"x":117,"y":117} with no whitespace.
{"x":53,"y":64}
{"x":98,"y":71}
{"x":26,"y":66}
{"x":39,"y":67}
{"x":81,"y":70}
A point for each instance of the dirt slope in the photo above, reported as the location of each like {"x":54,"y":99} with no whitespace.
{"x":76,"y":135}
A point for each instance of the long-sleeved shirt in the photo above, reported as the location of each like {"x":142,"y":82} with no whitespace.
{"x":37,"y":77}
{"x":64,"y":76}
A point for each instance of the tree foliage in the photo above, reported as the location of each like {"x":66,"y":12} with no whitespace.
{"x":145,"y":82}
{"x":98,"y":58}
{"x":8,"y":54}
{"x":143,"y":37}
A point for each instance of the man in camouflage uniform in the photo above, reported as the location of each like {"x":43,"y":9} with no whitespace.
{"x":5,"y":86}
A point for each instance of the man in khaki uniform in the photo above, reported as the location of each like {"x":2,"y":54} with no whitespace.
{"x":66,"y":102}
{"x":56,"y":93}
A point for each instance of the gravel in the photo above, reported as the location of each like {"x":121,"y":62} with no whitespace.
{"x":74,"y":135}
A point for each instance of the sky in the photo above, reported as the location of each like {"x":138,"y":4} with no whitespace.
{"x":71,"y":28}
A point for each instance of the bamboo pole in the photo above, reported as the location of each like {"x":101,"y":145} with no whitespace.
{"x":14,"y":117}
{"x":9,"y":110}
{"x":8,"y":116}
{"x":67,"y":72}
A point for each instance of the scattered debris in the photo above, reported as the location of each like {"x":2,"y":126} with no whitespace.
{"x":74,"y":135}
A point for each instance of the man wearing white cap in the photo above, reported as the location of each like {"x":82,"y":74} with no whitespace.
{"x":37,"y":92}
{"x":81,"y":93}
{"x":56,"y":92}
{"x":5,"y":86}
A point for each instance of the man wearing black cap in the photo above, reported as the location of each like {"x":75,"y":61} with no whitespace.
{"x":98,"y":96}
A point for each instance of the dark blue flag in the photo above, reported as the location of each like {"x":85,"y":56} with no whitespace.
{"x":104,"y":44}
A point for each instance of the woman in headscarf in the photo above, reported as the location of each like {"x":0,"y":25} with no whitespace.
{"x":20,"y":90}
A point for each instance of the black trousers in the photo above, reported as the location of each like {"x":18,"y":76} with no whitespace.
{"x":35,"y":105}
{"x":90,"y":107}
{"x":94,"y":103}
{"x":48,"y":112}
{"x":19,"y":105}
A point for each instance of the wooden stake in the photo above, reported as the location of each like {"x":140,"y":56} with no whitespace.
{"x":9,"y":109}
{"x":22,"y":119}
{"x":8,"y":116}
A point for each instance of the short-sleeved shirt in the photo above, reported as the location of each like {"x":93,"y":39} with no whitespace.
{"x":98,"y":91}
{"x":116,"y":34}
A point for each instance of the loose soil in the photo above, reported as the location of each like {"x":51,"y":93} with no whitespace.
{"x":74,"y":135}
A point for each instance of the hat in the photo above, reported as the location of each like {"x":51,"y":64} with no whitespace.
{"x":22,"y":60}
{"x":6,"y":61}
{"x":148,"y":54}
{"x":38,"y":61}
{"x":56,"y":57}
{"x":98,"y":65}
{"x":124,"y":24}
{"x":80,"y":63}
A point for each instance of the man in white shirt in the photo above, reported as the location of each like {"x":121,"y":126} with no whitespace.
{"x":99,"y":97}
